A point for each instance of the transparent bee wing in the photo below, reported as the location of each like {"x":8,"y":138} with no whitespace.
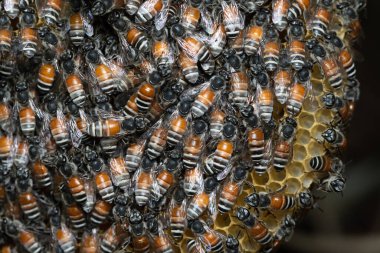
{"x":208,"y":22}
{"x":222,"y":175}
{"x":87,"y":18}
{"x":75,"y":134}
{"x":232,"y":15}
{"x":161,"y":18}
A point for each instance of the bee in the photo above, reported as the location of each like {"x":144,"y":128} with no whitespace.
{"x":104,"y":186}
{"x":144,"y":182}
{"x":256,"y":144}
{"x":305,"y":200}
{"x":257,"y":230}
{"x":354,"y":29}
{"x":321,"y":19}
{"x":276,"y":201}
{"x":217,"y":117}
{"x":326,"y":163}
{"x":75,"y":88}
{"x":7,"y":66}
{"x":132,"y":6}
{"x":207,"y":97}
{"x":5,"y":39}
{"x":157,"y":143}
{"x":280,"y":10}
{"x":231,"y":190}
{"x":29,"y":241}
{"x":239,"y":88}
{"x":298,"y":9}
{"x":100,"y":212}
{"x":77,"y":189}
{"x":177,"y":212}
{"x":253,"y":38}
{"x":159,"y":239}
{"x":200,"y":201}
{"x":190,"y":17}
{"x":232,"y":245}
{"x":27,"y":121}
{"x":65,"y":239}
{"x":217,"y":41}
{"x":29,"y":205}
{"x":119,"y":173}
{"x":333,"y":183}
{"x":177,"y":128}
{"x":282,"y":81}
{"x":29,"y":41}
{"x":208,"y":237}
{"x":90,"y":242}
{"x":144,"y":98}
{"x":131,"y":109}
{"x":286,"y":229}
{"x":189,"y":68}
{"x":192,"y":181}
{"x":103,"y":74}
{"x":335,"y":138}
{"x":162,"y":54}
{"x":52,"y":11}
{"x":101,"y":7}
{"x":297,"y":51}
{"x":296,"y":98}
{"x":76,"y":216}
{"x":238,"y":43}
{"x":193,"y":246}
{"x":148,"y":10}
{"x":265,"y":98}
{"x":140,"y":241}
{"x":271,"y":49}
{"x":164,"y":180}
{"x":59,"y":131}
{"x":46,"y":77}
{"x":282,"y":153}
{"x":218,"y":161}
{"x":134,"y":155}
{"x":12,"y":8}
{"x":42,"y":174}
{"x":193,"y":145}
{"x":6,"y":143}
{"x":76,"y":32}
{"x":112,"y":237}
{"x":5,"y":116}
{"x":232,"y":19}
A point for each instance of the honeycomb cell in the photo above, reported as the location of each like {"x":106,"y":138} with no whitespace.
{"x":223,"y":220}
{"x":306,"y":120}
{"x":293,"y":185}
{"x":277,"y":175}
{"x":274,"y":186}
{"x":299,"y":152}
{"x":295,"y":169}
{"x":324,"y":116}
{"x":315,"y":148}
{"x":307,"y":180}
{"x":310,"y":105}
{"x":260,"y":179}
{"x":303,"y":136}
{"x":270,"y":221}
{"x":317,"y":88}
{"x":317,"y":130}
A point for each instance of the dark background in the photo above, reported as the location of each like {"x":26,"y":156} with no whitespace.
{"x":351,"y":223}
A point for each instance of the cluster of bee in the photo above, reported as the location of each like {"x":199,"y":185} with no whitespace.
{"x":133,"y":125}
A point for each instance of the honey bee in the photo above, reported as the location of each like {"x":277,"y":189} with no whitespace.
{"x":134,"y":155}
{"x":103,"y":74}
{"x":6,"y":143}
{"x":217,"y":117}
{"x":231,"y":190}
{"x":220,"y":159}
{"x":76,"y":216}
{"x":131,"y":109}
{"x":164,"y":179}
{"x":29,"y":205}
{"x":253,"y":39}
{"x":297,"y":51}
{"x":112,"y":238}
{"x":239,"y":88}
{"x":144,"y":98}
{"x":65,"y":239}
{"x":119,"y":173}
{"x":298,"y":9}
{"x":143,"y":182}
{"x":29,"y":241}
{"x":282,"y":153}
{"x":232,"y":244}
{"x":100,"y":212}
{"x":326,"y":163}
{"x":90,"y":242}
{"x":232,"y":19}
{"x":52,"y":11}
{"x":193,"y":246}
{"x":193,"y":181}
{"x":46,"y":77}
{"x":321,"y":19}
{"x":280,"y":13}
{"x":5,"y":38}
{"x":335,"y":138}
{"x":199,"y":203}
{"x":162,"y":53}
{"x":140,"y":241}
{"x":157,"y":143}
{"x":28,"y":32}
{"x":255,"y":228}
{"x":274,"y":202}
{"x":296,"y":98}
{"x":159,"y":239}
{"x":190,"y":17}
{"x":333,"y":183}
{"x":193,"y":145}
{"x":305,"y":200}
{"x":27,"y":121}
{"x":256,"y":144}
{"x":189,"y":68}
{"x":207,"y":97}
{"x":42,"y":174}
{"x":148,"y":10}
{"x":132,"y":6}
{"x":77,"y":189}
{"x":282,"y":82}
{"x":109,"y":127}
{"x":286,"y":229}
{"x":177,"y":128}
{"x":271,"y":49}
{"x":208,"y":237}
{"x":238,"y":43}
{"x":104,"y":186}
{"x":217,"y":41}
{"x":5,"y":116}
{"x":77,"y":29}
{"x":101,"y":7}
{"x":12,"y":8}
{"x":265,"y":98}
{"x":177,"y":212}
